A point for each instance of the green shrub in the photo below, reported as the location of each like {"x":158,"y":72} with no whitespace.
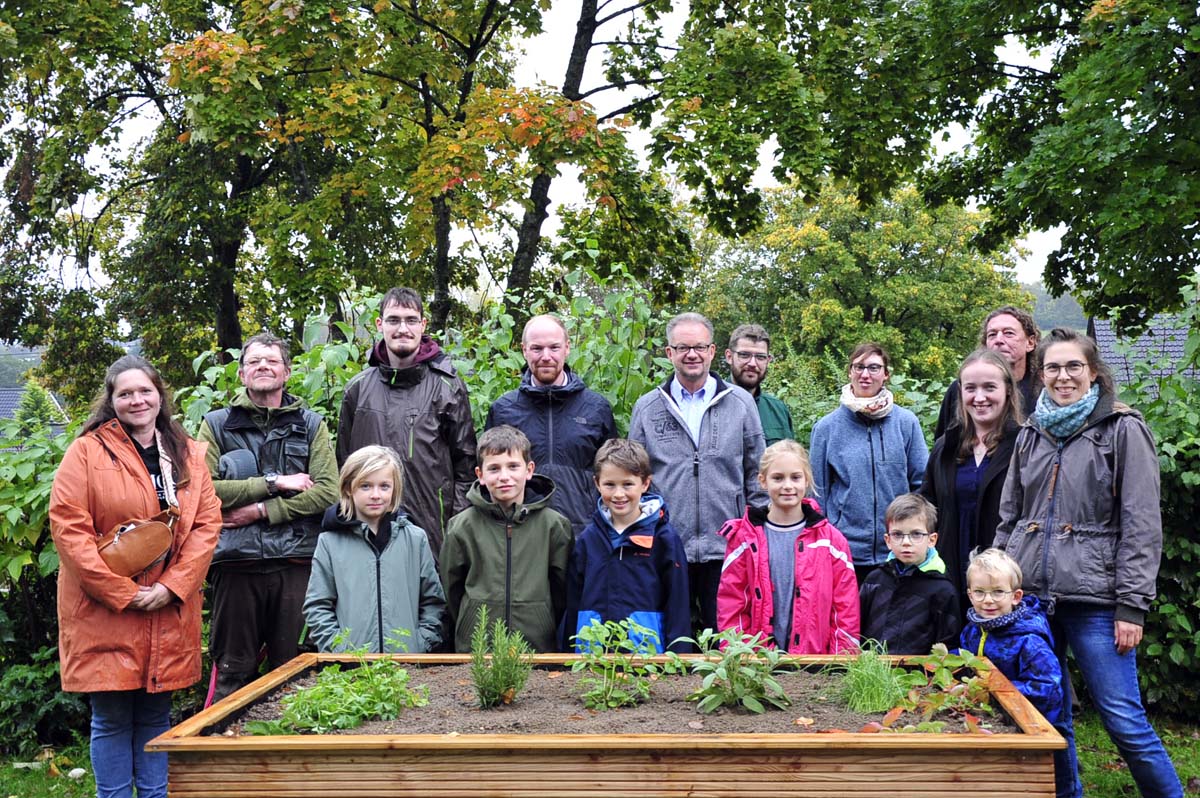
{"x":870,"y":683}
{"x":737,"y":670}
{"x":501,"y":662}
{"x":33,"y":711}
{"x":1170,"y":665}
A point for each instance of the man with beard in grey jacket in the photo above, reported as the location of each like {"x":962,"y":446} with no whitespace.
{"x":705,"y":442}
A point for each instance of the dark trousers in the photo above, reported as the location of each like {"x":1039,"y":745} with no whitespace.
{"x":703,"y":580}
{"x":254,"y":606}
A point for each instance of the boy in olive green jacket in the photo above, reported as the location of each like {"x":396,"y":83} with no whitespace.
{"x":508,"y":551}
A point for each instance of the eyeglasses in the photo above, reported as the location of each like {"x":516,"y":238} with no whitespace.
{"x":255,"y":362}
{"x":994,"y":595}
{"x":915,"y":537}
{"x":407,"y":321}
{"x":757,"y":357}
{"x":870,"y":368}
{"x":683,"y":349}
{"x":1073,"y":369}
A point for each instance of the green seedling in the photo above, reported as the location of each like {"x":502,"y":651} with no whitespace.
{"x":737,"y":670}
{"x":613,"y":655}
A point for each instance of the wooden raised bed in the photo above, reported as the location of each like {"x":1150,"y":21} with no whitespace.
{"x":440,"y":766}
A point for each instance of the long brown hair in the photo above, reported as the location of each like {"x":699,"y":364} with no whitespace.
{"x":174,"y":438}
{"x":1013,"y":411}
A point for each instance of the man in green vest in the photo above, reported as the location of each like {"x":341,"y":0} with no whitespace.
{"x":748,"y":356}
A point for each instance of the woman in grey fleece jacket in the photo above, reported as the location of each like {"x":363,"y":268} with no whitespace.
{"x":864,"y":454}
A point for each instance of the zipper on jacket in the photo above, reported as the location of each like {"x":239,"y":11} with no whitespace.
{"x":379,"y":595}
{"x":1046,"y":533}
{"x":508,"y":573}
{"x":550,"y":433}
{"x":874,"y":498}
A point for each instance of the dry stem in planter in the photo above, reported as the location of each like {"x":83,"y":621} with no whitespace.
{"x":500,"y":662}
{"x":612,"y":653}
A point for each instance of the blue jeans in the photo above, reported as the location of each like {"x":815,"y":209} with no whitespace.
{"x":122,"y":723}
{"x":1112,"y":682}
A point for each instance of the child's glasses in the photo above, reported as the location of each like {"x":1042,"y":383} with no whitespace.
{"x":994,"y":595}
{"x":915,"y":537}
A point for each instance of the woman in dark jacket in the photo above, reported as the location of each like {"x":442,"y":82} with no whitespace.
{"x":965,"y":475}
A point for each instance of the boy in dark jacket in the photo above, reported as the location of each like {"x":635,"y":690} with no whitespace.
{"x":908,"y":602}
{"x":508,"y":551}
{"x":629,"y":563}
{"x":1010,"y":629}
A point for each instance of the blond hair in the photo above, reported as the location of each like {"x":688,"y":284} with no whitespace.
{"x":359,"y":466}
{"x":998,"y":563}
{"x":779,"y":449}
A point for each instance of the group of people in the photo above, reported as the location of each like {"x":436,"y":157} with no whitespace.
{"x":709,"y":515}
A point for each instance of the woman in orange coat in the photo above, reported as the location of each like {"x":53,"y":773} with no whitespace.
{"x":129,"y":642}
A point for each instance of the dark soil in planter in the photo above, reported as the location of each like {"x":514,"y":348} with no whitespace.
{"x":551,"y":704}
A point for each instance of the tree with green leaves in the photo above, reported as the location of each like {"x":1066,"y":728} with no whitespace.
{"x":829,"y":271}
{"x":37,"y":410}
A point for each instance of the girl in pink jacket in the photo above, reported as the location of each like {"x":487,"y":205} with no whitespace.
{"x":788,"y":573}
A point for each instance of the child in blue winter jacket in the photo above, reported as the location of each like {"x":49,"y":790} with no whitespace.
{"x":629,"y":562}
{"x":1011,"y":630}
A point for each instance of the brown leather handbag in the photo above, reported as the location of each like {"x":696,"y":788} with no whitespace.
{"x":135,"y":546}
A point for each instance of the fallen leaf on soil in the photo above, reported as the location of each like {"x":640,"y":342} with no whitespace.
{"x":576,"y":716}
{"x":871,"y":728}
{"x":892,"y":716}
{"x":831,"y":731}
{"x":463,"y":682}
{"x":804,"y":721}
{"x":554,"y":675}
{"x":508,"y":695}
{"x":466,"y":696}
{"x":695,"y":724}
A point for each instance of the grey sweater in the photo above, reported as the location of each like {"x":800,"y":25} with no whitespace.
{"x":706,"y":484}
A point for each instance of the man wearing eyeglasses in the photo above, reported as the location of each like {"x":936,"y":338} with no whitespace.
{"x":411,"y":399}
{"x":565,"y":422}
{"x":748,"y":356}
{"x":273,"y":469}
{"x":705,"y":441}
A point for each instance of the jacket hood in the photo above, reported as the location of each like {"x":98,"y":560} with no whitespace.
{"x":538,"y":491}
{"x":286,"y":403}
{"x":334,"y":521}
{"x":551,"y":393}
{"x":932,"y":564}
{"x":653,"y":517}
{"x":812,"y":513}
{"x":428,"y":351}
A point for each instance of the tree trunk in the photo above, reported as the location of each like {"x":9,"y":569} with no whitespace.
{"x":439,"y":309}
{"x":529,"y":235}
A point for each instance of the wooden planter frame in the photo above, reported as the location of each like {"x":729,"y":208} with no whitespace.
{"x":816,"y":765}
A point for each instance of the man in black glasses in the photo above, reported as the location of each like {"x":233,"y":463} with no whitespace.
{"x":704,"y":440}
{"x":748,"y":356}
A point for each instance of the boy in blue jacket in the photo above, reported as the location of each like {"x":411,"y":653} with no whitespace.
{"x":629,"y":563}
{"x":1011,"y":630}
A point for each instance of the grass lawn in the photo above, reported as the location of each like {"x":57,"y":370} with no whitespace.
{"x":50,"y":782}
{"x":1103,"y":771}
{"x":1104,"y":774}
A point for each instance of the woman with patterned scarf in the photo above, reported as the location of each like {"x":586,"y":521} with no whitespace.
{"x":864,"y":454}
{"x":129,"y":641}
{"x":1080,"y":515}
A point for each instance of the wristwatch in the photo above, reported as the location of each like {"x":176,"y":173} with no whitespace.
{"x":271,"y":478}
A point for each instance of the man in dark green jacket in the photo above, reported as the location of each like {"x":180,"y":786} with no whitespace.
{"x":748,"y":356}
{"x":273,"y":469}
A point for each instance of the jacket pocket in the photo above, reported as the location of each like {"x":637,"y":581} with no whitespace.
{"x":1085,"y":561}
{"x":1025,"y":546}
